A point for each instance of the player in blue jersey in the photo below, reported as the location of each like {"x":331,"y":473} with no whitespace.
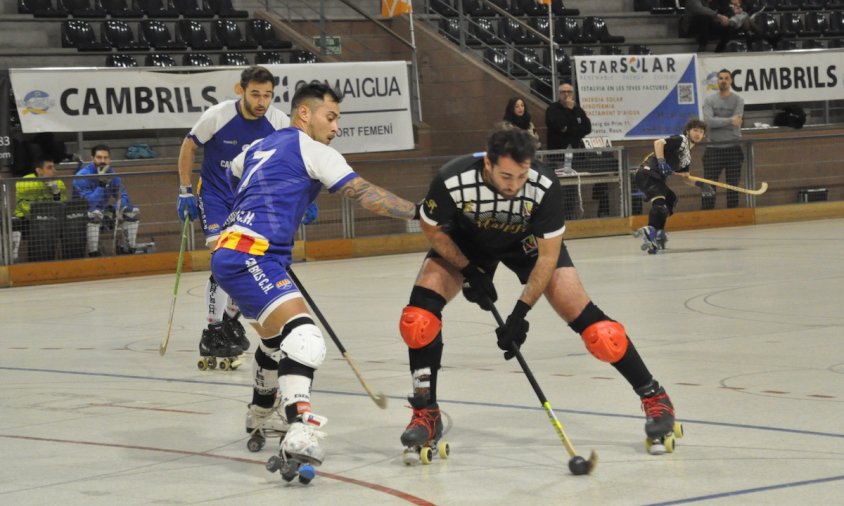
{"x":223,"y":131}
{"x":279,"y":176}
{"x":503,"y":208}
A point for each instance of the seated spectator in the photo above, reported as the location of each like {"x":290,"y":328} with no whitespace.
{"x":707,"y":18}
{"x":34,"y":190}
{"x":516,"y":115}
{"x":105,"y":194}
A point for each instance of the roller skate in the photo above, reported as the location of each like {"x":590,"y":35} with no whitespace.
{"x":423,"y":433}
{"x":263,"y":423}
{"x":661,"y":427}
{"x":299,"y":451}
{"x":649,"y":238}
{"x":234,"y":331}
{"x":661,"y":238}
{"x":215,"y":350}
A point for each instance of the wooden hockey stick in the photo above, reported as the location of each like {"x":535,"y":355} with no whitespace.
{"x":762,"y":189}
{"x":379,"y":399}
{"x":577,"y":464}
{"x":162,"y":349}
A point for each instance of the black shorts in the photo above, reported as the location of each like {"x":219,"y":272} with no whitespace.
{"x":521,"y":259}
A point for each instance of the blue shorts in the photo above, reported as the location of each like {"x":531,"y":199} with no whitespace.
{"x":259,"y":283}
{"x":213,"y":211}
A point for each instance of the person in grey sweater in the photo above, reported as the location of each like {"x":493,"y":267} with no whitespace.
{"x":723,"y":113}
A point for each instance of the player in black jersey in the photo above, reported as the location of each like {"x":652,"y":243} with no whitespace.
{"x":502,"y":206}
{"x":671,"y":155}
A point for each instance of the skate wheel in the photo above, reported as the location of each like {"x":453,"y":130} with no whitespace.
{"x":668,"y":442}
{"x":644,"y":247}
{"x":409,"y":457}
{"x":426,"y":455}
{"x":255,"y":443}
{"x":288,"y":472}
{"x":652,"y":251}
{"x":212,"y":363}
{"x":273,"y":464}
{"x":202,"y":364}
{"x":306,"y":474}
{"x":225,"y":365}
{"x":443,"y":449}
{"x":678,"y":429}
{"x":235,"y":364}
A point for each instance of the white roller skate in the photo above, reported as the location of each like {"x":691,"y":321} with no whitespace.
{"x":263,"y":423}
{"x":661,"y":238}
{"x":300,"y":451}
{"x":649,"y":238}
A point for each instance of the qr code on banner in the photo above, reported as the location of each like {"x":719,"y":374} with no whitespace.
{"x":685,"y":93}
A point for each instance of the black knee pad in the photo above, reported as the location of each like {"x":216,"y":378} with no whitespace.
{"x":265,"y":361}
{"x":660,"y":206}
{"x":288,"y":366}
{"x":428,"y":300}
{"x":590,"y":314}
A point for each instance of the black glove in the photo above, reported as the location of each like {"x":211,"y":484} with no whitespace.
{"x":514,"y":330}
{"x":478,"y":287}
{"x":664,"y":168}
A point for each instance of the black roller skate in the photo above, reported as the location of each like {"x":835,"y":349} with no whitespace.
{"x":300,"y":450}
{"x":263,"y":423}
{"x":215,"y":349}
{"x":660,"y":425}
{"x":650,"y":239}
{"x":235,"y":332}
{"x":423,"y":433}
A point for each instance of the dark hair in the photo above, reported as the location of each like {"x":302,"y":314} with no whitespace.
{"x":39,"y":161}
{"x":316,"y":91}
{"x":255,"y":74}
{"x":725,"y":70}
{"x":522,"y":121}
{"x":517,"y":144}
{"x":694,"y":123}
{"x":100,"y":147}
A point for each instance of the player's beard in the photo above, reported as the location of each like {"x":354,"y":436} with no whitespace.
{"x":253,"y":112}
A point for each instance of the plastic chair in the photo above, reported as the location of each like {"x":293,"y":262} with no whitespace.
{"x":227,"y":33}
{"x":190,"y":9}
{"x":192,"y":33}
{"x":234,"y":59}
{"x":225,"y":9}
{"x":269,"y":58}
{"x":81,"y":8}
{"x":121,"y":60}
{"x":260,"y":31}
{"x":482,"y":30}
{"x":157,"y":35}
{"x":595,"y":29}
{"x":79,"y":34}
{"x":567,"y":31}
{"x":119,"y":9}
{"x":40,"y":9}
{"x":159,"y":60}
{"x":197,"y":60}
{"x":118,"y":34}
{"x":157,"y":8}
{"x":302,"y":56}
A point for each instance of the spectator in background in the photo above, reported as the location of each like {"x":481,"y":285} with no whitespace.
{"x":705,"y":19}
{"x":516,"y":115}
{"x":723,"y":113}
{"x":567,"y":126}
{"x":105,"y":194}
{"x":32,"y":190}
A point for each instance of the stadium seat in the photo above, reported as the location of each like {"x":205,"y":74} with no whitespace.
{"x":40,"y":9}
{"x":477,"y":8}
{"x":817,"y":24}
{"x":81,"y":8}
{"x":121,"y":60}
{"x":533,"y":8}
{"x":541,"y":86}
{"x":196,"y":60}
{"x":227,"y":33}
{"x":118,"y":34}
{"x":444,"y":8}
{"x":559,"y":9}
{"x":757,"y":46}
{"x":639,"y":49}
{"x":157,"y":8}
{"x":514,"y":7}
{"x":541,"y":25}
{"x":79,"y":34}
{"x":526,"y":62}
{"x":496,"y":57}
{"x":450,"y":27}
{"x":582,"y":51}
{"x":302,"y":56}
{"x":788,"y":5}
{"x":835,"y":4}
{"x":157,"y":35}
{"x":192,"y":33}
{"x":159,"y":60}
{"x":225,"y":9}
{"x":562,"y":63}
{"x":567,"y":31}
{"x":595,"y":29}
{"x":269,"y":58}
{"x":482,"y":30}
{"x":119,"y":9}
{"x":190,"y":9}
{"x":768,"y":25}
{"x":736,"y":46}
{"x":234,"y":59}
{"x":836,"y":24}
{"x":260,"y":31}
{"x":791,"y":24}
{"x":611,"y":50}
{"x":512,"y":31}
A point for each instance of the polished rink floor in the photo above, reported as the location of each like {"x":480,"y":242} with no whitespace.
{"x":744,"y":327}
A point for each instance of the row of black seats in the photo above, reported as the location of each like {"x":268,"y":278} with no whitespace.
{"x":567,"y":30}
{"x":524,"y":61}
{"x":797,"y":24}
{"x":478,"y":8}
{"x":204,"y":60}
{"x":751,"y":6}
{"x":154,"y":33}
{"x":743,"y":46}
{"x":124,"y":9}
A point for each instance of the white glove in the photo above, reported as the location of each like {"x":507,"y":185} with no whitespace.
{"x":53,"y":186}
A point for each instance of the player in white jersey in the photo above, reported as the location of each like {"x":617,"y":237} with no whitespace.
{"x":224,"y":131}
{"x":279,"y":176}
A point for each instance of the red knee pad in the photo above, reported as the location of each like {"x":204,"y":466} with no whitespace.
{"x":419,"y":327}
{"x":606,"y":340}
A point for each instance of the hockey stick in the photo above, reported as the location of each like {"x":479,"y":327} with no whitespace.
{"x":762,"y":189}
{"x":379,"y":399}
{"x":577,"y":464}
{"x":162,"y":349}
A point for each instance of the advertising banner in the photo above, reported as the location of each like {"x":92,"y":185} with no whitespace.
{"x":375,"y":112}
{"x":778,"y":77}
{"x":638,"y":96}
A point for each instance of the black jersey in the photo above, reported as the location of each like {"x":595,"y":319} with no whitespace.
{"x":473,"y":211}
{"x":678,"y":154}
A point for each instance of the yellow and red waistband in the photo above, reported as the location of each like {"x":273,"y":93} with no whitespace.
{"x":242,"y":242}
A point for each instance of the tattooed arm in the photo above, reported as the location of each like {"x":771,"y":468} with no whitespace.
{"x":378,"y":200}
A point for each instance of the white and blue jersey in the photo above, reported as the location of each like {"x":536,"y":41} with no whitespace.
{"x":224,"y":133}
{"x":279,"y":177}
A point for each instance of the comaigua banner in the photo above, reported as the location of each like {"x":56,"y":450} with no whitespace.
{"x":375,"y":112}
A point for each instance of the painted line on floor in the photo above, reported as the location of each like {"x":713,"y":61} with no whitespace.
{"x":746,"y":491}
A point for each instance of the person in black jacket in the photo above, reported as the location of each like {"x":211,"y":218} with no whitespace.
{"x":567,"y":126}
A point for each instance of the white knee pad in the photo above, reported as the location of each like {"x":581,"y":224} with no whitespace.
{"x":305,"y":345}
